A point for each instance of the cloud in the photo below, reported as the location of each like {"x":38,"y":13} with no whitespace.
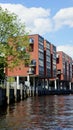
{"x":36,"y":19}
{"x":68,"y":49}
{"x":63,"y":17}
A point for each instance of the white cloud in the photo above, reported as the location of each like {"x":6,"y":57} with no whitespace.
{"x":68,"y":49}
{"x":36,"y":19}
{"x":63,"y":17}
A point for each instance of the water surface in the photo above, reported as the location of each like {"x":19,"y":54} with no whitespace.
{"x":39,"y":113}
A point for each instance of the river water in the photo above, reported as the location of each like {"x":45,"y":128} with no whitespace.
{"x":39,"y":113}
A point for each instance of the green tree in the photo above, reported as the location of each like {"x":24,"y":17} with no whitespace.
{"x":13,"y":40}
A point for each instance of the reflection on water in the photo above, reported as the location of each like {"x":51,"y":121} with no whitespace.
{"x":39,"y":113}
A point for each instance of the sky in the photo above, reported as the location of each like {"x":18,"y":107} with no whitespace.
{"x":52,"y":19}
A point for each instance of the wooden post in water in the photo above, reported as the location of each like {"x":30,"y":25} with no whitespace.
{"x":36,"y":87}
{"x":17,"y":82}
{"x":21,"y":91}
{"x":55,"y":82}
{"x":7,"y":93}
{"x":15,"y":91}
{"x":28,"y":89}
{"x":69,"y":85}
{"x":33,"y":90}
{"x":48,"y":84}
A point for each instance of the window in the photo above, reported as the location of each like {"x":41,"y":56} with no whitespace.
{"x":31,"y":40}
{"x":41,"y":47}
{"x":48,"y":65}
{"x":48,"y":45}
{"x":41,"y":63}
{"x":41,"y":55}
{"x":41,"y":70}
{"x":48,"y":52}
{"x":48,"y":58}
{"x":41,"y":39}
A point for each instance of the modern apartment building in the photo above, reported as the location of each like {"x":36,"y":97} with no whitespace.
{"x":64,"y":68}
{"x":42,"y":66}
{"x":36,"y":67}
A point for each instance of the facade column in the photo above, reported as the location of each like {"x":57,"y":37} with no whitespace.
{"x":55,"y":84}
{"x":17,"y":82}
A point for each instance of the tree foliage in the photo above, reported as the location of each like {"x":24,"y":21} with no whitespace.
{"x":13,"y":40}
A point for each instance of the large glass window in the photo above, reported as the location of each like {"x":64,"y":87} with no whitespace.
{"x":48,"y":58}
{"x":41,"y":70}
{"x":41,"y":55}
{"x":48,"y":52}
{"x":41,"y":63}
{"x":54,"y":61}
{"x":41,"y":40}
{"x":54,"y":55}
{"x":41,"y":48}
{"x":54,"y":49}
{"x":48,"y":45}
{"x":48,"y":64}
